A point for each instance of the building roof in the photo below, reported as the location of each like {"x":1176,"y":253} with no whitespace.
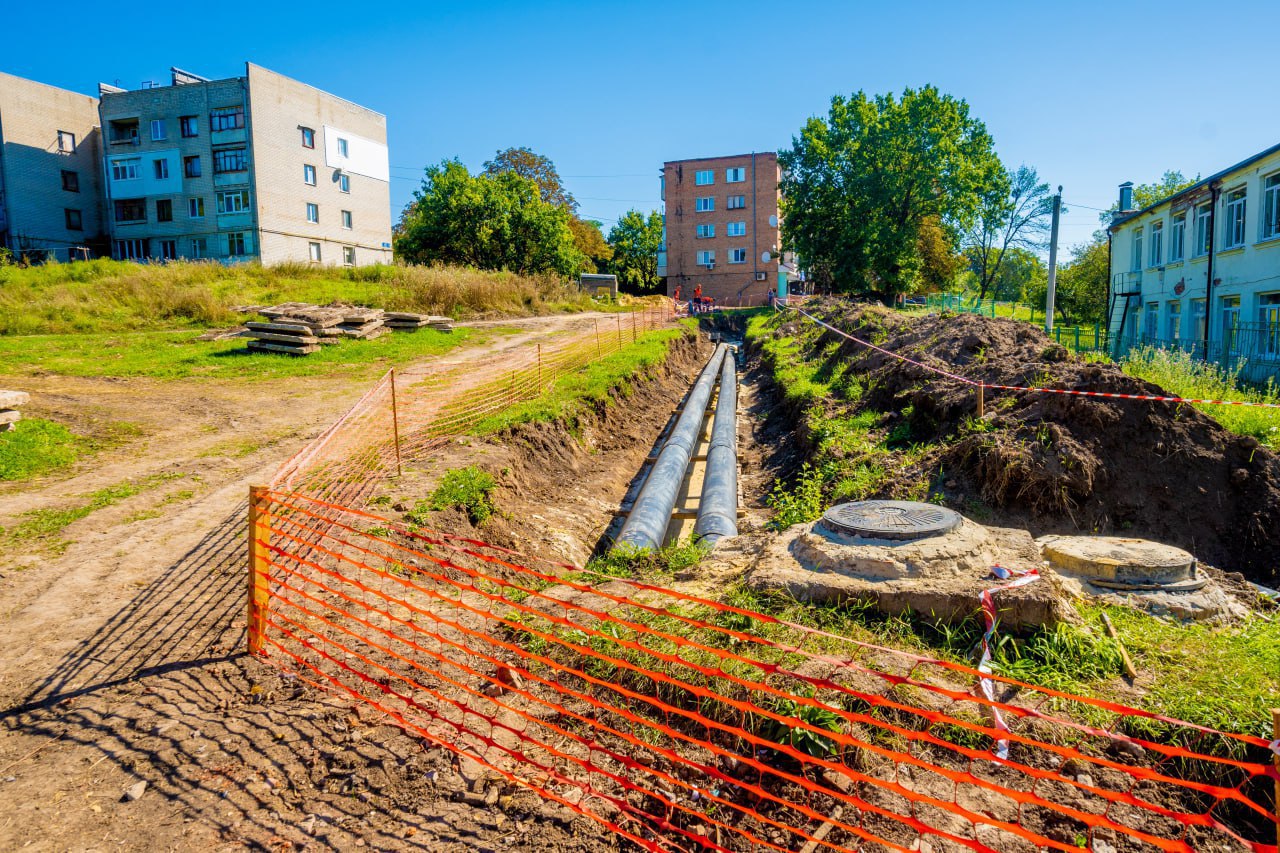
{"x":721,"y":157}
{"x":1198,"y":185}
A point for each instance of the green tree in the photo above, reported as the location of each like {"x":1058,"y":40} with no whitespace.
{"x":1171,"y":183}
{"x":1080,"y":292}
{"x":589,"y":240}
{"x":858,"y":184}
{"x":537,"y":168}
{"x":1020,"y":276}
{"x":1014,"y":214}
{"x":495,"y":222}
{"x":636,"y":240}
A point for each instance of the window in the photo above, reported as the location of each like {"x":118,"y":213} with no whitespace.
{"x":199,"y":247}
{"x":230,"y":160}
{"x":73,"y":219}
{"x":157,"y":129}
{"x":349,"y":256}
{"x":164,"y":210}
{"x":236,"y":244}
{"x":129,"y":250}
{"x":344,"y":183}
{"x":1269,"y":317}
{"x":131,"y":210}
{"x":236,"y":201}
{"x":1151,"y":316}
{"x":736,"y":229}
{"x":346,"y":219}
{"x":1173,"y":326}
{"x":1230,"y":324}
{"x":313,"y":250}
{"x":706,"y":231}
{"x":70,"y":181}
{"x":188,"y":126}
{"x":736,"y":202}
{"x":161,"y":168}
{"x":1137,"y":250}
{"x":308,"y":137}
{"x":1198,"y":319}
{"x":1233,"y":221}
{"x":1177,"y":237}
{"x":313,"y":212}
{"x":123,"y":131}
{"x":1204,"y":213}
{"x":1157,"y":244}
{"x":342,"y":147}
{"x":737,"y":256}
{"x":1271,"y":206}
{"x":735,"y":176}
{"x":66,"y":142}
{"x":308,"y":174}
{"x":703,"y":204}
{"x":226,"y":118}
{"x":169,"y":250}
{"x":706,"y":259}
{"x":704,"y":178}
{"x":126,"y":169}
{"x":191,"y":166}
{"x":195,"y":208}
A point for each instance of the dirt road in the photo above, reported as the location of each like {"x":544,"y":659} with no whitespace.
{"x":120,"y":657}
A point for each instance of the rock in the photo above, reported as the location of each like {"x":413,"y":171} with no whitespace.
{"x":1239,"y":475}
{"x":134,"y":791}
{"x":1100,"y":846}
{"x":1127,"y":748}
{"x":1073,"y":767}
{"x":308,"y":824}
{"x":1085,"y":779}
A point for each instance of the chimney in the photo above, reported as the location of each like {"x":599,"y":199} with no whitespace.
{"x":1126,"y":196}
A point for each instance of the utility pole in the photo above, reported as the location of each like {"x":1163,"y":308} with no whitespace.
{"x":1053,"y":264}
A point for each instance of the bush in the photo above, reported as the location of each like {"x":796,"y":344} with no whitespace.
{"x":469,"y":490}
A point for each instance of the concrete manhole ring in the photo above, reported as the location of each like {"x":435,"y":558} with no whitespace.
{"x":895,"y":520}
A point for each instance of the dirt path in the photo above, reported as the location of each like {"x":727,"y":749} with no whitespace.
{"x":118,"y":657}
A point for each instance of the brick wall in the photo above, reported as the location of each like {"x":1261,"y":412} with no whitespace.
{"x":31,"y":165}
{"x":729,"y":283}
{"x":279,"y":107}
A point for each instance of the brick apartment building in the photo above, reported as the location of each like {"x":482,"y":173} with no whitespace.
{"x":50,"y":164}
{"x":258,"y":167}
{"x":721,"y":230}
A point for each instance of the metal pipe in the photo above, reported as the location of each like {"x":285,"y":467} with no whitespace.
{"x":718,"y":507}
{"x":646,"y":525}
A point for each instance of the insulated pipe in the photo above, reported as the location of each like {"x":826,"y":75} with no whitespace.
{"x":718,"y":508}
{"x":646,"y":526}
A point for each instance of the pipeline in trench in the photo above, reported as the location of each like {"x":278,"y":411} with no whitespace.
{"x":694,"y":477}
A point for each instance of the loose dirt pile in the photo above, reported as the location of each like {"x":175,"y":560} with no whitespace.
{"x":1061,"y":463}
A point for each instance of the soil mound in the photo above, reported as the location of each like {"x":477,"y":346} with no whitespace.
{"x":1063,"y":463}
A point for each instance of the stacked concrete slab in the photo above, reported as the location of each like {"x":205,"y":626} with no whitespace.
{"x":10,"y":402}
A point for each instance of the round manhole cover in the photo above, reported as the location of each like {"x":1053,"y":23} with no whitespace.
{"x":890,"y":519}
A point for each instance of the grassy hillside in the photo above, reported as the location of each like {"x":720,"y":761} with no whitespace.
{"x":117,"y":296}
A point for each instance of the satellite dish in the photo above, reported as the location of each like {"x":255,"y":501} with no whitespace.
{"x":764,"y":257}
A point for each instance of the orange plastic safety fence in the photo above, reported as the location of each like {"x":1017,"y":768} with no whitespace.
{"x":679,"y":721}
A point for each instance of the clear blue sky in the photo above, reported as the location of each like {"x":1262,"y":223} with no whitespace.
{"x":1091,"y":94}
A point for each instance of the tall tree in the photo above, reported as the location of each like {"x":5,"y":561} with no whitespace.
{"x":1171,"y":183}
{"x":589,"y":239}
{"x":1080,"y":292}
{"x":1014,"y":213}
{"x":858,"y":184}
{"x":635,"y":240}
{"x":496,"y":222}
{"x":537,"y":168}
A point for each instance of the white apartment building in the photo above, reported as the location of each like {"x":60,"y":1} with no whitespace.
{"x":1200,"y":270}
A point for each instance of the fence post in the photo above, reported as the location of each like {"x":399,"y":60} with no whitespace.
{"x":1275,"y":733}
{"x":539,"y":367}
{"x":618,"y":317}
{"x":596,"y":323}
{"x":633,"y":327}
{"x":1077,"y":339}
{"x":395,"y":421}
{"x":259,"y":576}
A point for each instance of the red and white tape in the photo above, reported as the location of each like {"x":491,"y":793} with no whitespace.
{"x":1151,"y":398}
{"x":1020,"y":578}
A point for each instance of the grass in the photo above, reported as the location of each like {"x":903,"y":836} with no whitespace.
{"x":1185,"y":376}
{"x":42,"y":528}
{"x":178,"y":355}
{"x":594,"y":385}
{"x":115,"y":296}
{"x":627,"y":561}
{"x":36,"y":447}
{"x":468,"y":489}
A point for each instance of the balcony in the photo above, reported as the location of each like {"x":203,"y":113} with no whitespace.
{"x":123,"y":132}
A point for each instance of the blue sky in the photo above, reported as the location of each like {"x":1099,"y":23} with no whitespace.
{"x":1090,"y":94}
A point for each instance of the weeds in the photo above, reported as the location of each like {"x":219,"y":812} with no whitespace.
{"x":468,"y":489}
{"x":627,"y":561}
{"x":35,"y":447}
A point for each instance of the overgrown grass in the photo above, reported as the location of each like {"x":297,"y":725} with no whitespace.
{"x":178,"y":355}
{"x":468,"y":489}
{"x":1179,"y":373}
{"x":582,"y":390}
{"x":36,"y":447}
{"x":113,"y":296}
{"x":627,"y":561}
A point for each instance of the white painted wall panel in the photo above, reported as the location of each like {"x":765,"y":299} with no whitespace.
{"x":364,"y":156}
